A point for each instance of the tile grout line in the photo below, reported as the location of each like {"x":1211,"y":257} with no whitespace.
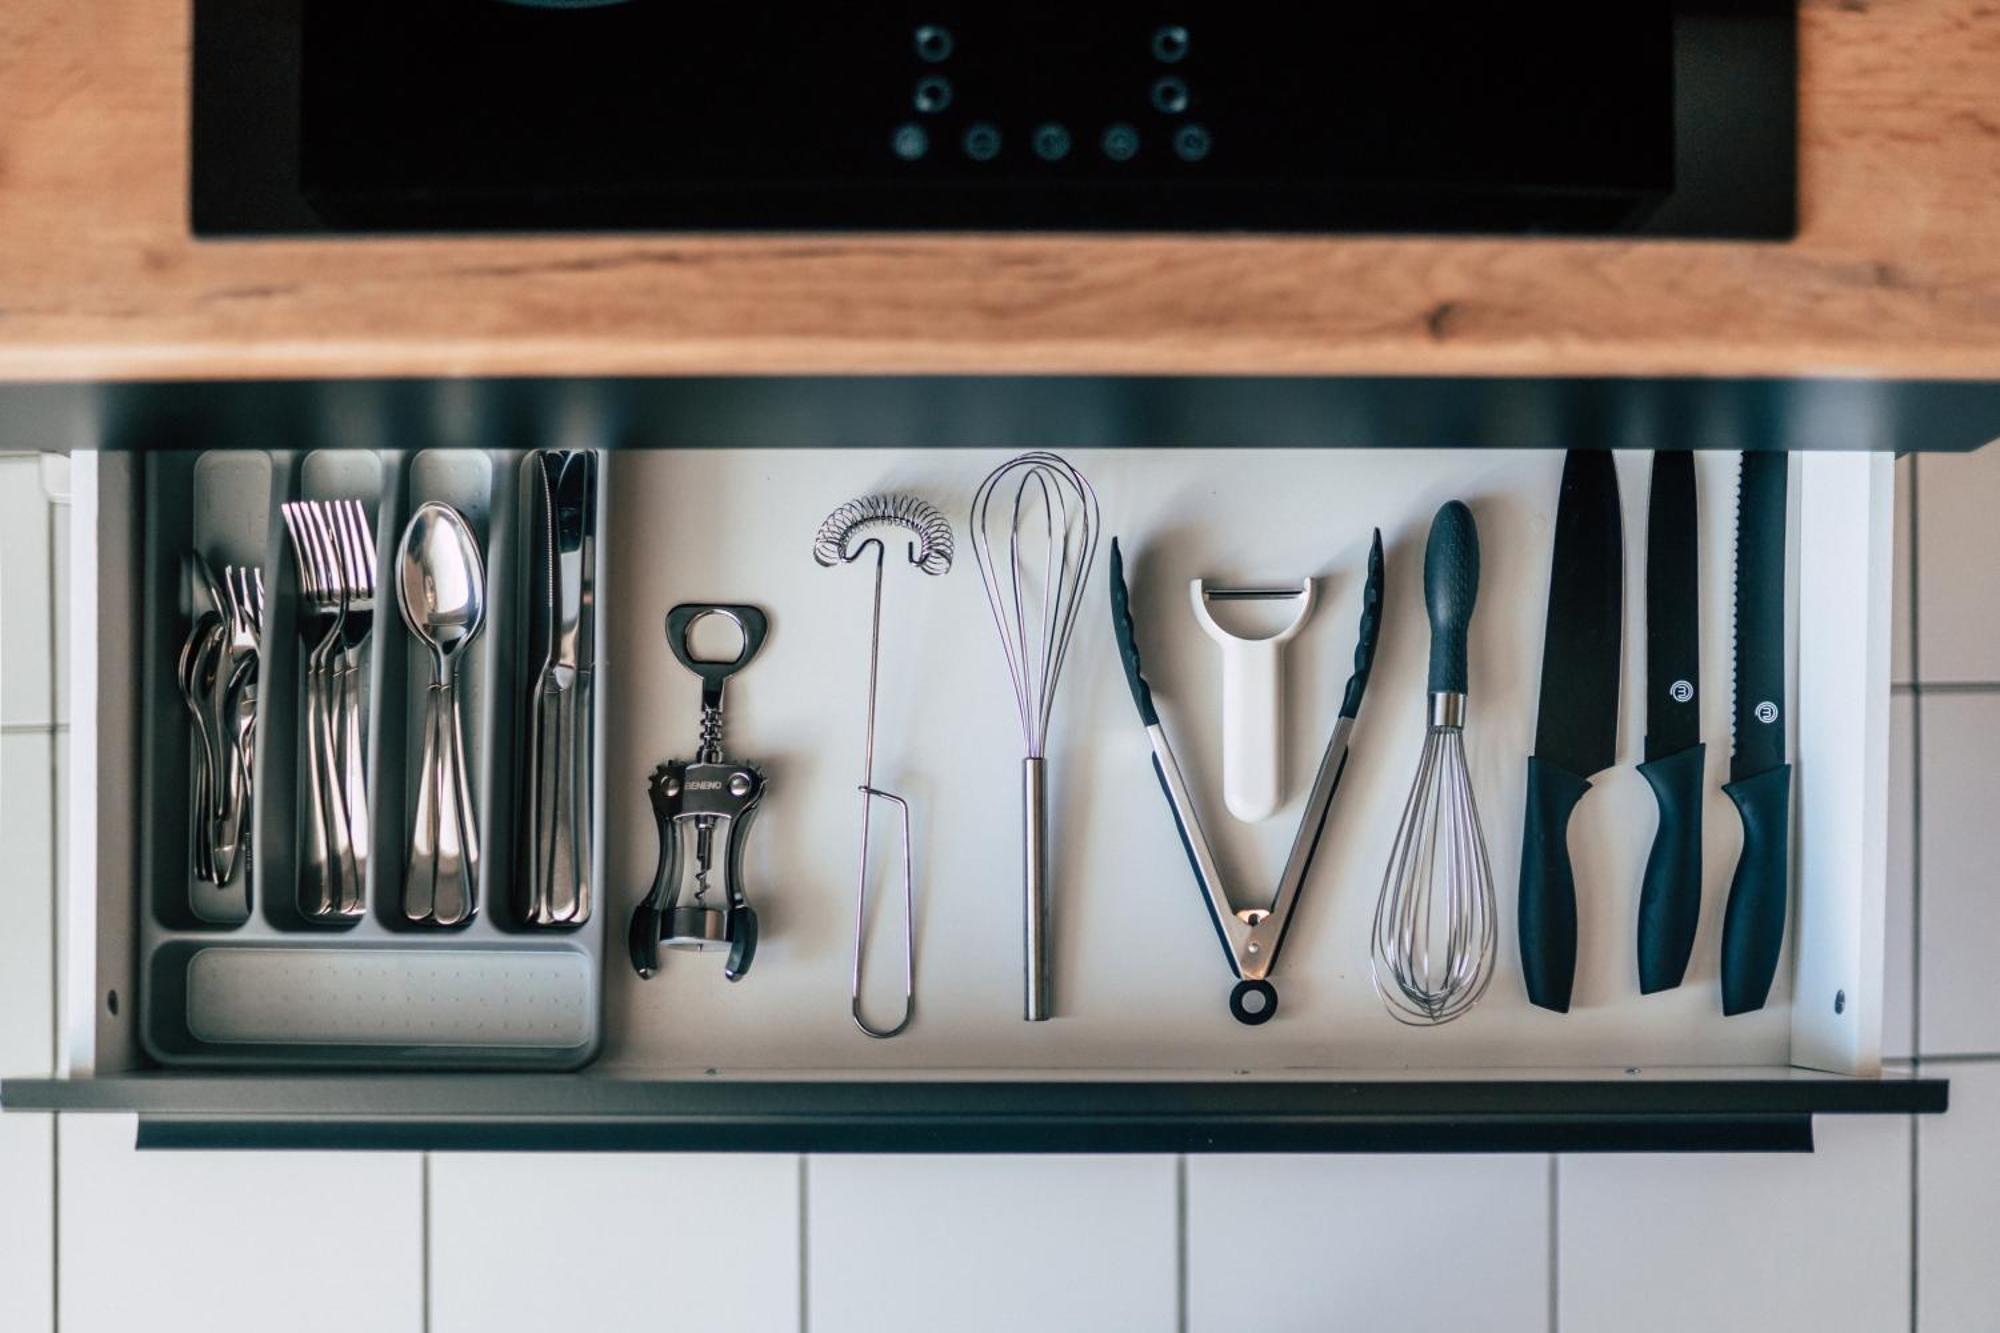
{"x":56,"y":727}
{"x":55,"y":1223}
{"x":1555,"y":1243}
{"x":424,"y":1250}
{"x":1181,"y":1242}
{"x":805,"y":1242}
{"x":1916,"y":881}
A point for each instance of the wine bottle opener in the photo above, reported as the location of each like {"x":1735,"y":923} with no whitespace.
{"x":707,"y":799}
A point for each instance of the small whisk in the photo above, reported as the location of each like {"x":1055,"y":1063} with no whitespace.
{"x":930,"y":551}
{"x":1050,"y":512}
{"x":1433,"y":943}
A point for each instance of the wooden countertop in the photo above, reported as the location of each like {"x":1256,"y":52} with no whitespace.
{"x":1896,"y":272}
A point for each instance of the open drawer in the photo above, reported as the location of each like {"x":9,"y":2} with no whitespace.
{"x":1143,"y":1054}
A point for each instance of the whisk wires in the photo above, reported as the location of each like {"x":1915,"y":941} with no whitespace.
{"x":1434,"y":933}
{"x":1051,"y":512}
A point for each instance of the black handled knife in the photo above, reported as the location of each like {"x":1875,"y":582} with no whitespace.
{"x":1670,"y":895}
{"x":1576,"y":727}
{"x":1760,"y":780}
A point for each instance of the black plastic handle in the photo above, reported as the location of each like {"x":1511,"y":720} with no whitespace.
{"x":1128,"y":639}
{"x":1369,"y":634}
{"x":1753,"y":925}
{"x":1548,"y":885}
{"x":1670,"y":894}
{"x":1451,"y":587}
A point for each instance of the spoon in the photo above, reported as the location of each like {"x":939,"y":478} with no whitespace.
{"x":443,"y":584}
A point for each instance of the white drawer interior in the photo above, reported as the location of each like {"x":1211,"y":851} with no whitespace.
{"x":1139,"y":981}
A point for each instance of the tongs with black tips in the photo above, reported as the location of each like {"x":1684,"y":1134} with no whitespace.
{"x":1251,"y":936}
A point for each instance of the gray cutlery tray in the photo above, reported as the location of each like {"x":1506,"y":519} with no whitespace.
{"x":238,"y":976}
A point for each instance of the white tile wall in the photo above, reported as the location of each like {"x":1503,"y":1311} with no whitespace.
{"x":1311,"y":1243}
{"x":307,"y":1242}
{"x":1055,"y":1244}
{"x":1731,"y":1243}
{"x":1958,"y":620}
{"x":614,"y":1241}
{"x":1958,"y":1179}
{"x":1618,"y":1243}
{"x":1959,"y":776}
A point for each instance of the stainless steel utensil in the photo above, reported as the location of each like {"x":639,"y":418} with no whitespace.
{"x":335,"y":558}
{"x":555,"y":828}
{"x":217,"y":677}
{"x":442,"y":579}
{"x":930,"y":551}
{"x":1051,"y":527}
{"x":1431,"y":953}
{"x":1251,"y":936}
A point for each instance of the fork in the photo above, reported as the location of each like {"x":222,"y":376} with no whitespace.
{"x":236,"y":717}
{"x":330,"y":886}
{"x":357,"y":567}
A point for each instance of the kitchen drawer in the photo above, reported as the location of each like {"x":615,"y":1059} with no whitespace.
{"x":1142,"y":1055}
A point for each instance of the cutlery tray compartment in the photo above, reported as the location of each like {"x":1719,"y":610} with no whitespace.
{"x":239,"y":976}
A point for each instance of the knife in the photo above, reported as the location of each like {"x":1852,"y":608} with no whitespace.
{"x":557,"y":880}
{"x":1670,"y":894}
{"x":1576,"y":729}
{"x":1760,"y":780}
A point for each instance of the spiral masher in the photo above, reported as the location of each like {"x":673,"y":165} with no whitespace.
{"x":930,"y":550}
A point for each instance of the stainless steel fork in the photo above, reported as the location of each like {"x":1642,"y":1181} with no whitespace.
{"x":330,"y":884}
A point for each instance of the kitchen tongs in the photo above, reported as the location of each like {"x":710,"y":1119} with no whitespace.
{"x":1251,"y":936}
{"x":555,"y":882}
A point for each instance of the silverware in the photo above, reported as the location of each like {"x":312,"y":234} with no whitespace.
{"x":335,"y":558}
{"x":235,"y":718}
{"x":217,"y":677}
{"x":203,"y":641}
{"x":1431,"y":950}
{"x":931,"y":552}
{"x":556,"y":827}
{"x":1048,"y":513}
{"x":442,"y":579}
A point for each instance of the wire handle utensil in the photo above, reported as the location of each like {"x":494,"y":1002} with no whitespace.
{"x":930,"y":550}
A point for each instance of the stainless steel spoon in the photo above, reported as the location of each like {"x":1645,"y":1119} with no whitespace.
{"x":443,"y":584}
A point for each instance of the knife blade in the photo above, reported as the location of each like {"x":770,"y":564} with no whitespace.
{"x":1760,"y":785}
{"x":1670,"y":893}
{"x":1576,"y":726}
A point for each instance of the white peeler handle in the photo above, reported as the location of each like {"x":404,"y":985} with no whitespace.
{"x":1253,"y":703}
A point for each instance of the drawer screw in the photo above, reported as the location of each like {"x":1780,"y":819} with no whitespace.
{"x":911,"y":142}
{"x":1191,"y":143}
{"x":1121,"y":143}
{"x":1052,"y":143}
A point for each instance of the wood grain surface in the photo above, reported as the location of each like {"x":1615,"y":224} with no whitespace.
{"x":1896,"y":272}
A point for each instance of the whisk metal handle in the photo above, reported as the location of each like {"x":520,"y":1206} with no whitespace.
{"x":1034,"y":891}
{"x":1451,"y":587}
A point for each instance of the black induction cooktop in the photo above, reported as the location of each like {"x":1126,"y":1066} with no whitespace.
{"x":1665,"y":117}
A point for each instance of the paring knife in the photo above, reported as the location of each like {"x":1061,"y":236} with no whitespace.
{"x":1576,"y":728}
{"x":1670,"y":895}
{"x":1760,"y":780}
